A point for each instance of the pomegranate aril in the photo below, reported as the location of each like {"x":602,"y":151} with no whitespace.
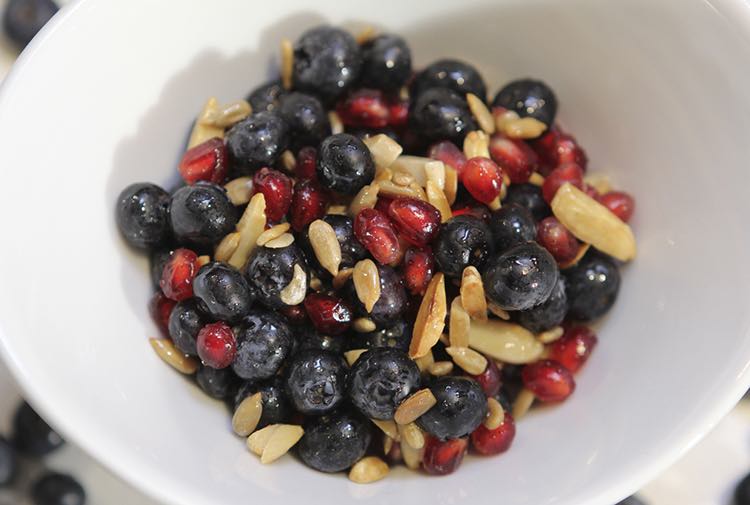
{"x":364,"y":108}
{"x":573,"y":349}
{"x":557,"y":239}
{"x":306,"y":159}
{"x":177,"y":277}
{"x":619,"y":203}
{"x":497,"y":441}
{"x":398,"y":112}
{"x":277,"y":190}
{"x":329,"y":314}
{"x":568,"y":151}
{"x":549,"y":380}
{"x":478,"y":211}
{"x":383,"y":203}
{"x":374,"y":231}
{"x":556,"y":148}
{"x":295,"y":314}
{"x":418,"y":269}
{"x":442,"y":457}
{"x":447,"y":152}
{"x":570,"y":172}
{"x":489,"y":379}
{"x":591,"y":191}
{"x":309,"y":203}
{"x":514,"y":156}
{"x":216,"y":345}
{"x":205,"y":162}
{"x":482,"y":178}
{"x":416,"y":220}
{"x":160,"y":307}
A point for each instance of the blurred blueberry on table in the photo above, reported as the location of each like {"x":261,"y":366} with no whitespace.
{"x":57,"y":489}
{"x":8,"y":462}
{"x":24,"y":18}
{"x":32,"y":435}
{"x":742,"y":492}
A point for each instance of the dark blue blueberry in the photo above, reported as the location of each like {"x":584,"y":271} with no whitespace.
{"x":327,"y":61}
{"x":503,"y":400}
{"x":335,"y":442}
{"x":157,"y":260}
{"x":464,"y":240}
{"x":461,"y":407}
{"x":143,"y":215}
{"x":521,"y":277}
{"x":8,"y":462}
{"x":219,"y":384}
{"x":185,"y":321}
{"x":511,"y":225}
{"x":274,"y":398}
{"x":270,"y":270}
{"x":451,"y":74}
{"x":24,"y":18}
{"x":393,"y":300}
{"x":366,"y":133}
{"x":57,"y":489}
{"x":307,"y":119}
{"x":31,"y":434}
{"x":592,"y":286}
{"x":528,"y":98}
{"x":634,"y":500}
{"x":397,"y":335}
{"x":548,"y":314}
{"x":741,"y":492}
{"x":344,"y":164}
{"x":309,"y":338}
{"x":441,"y":114}
{"x":202,"y":214}
{"x":386,"y":63}
{"x":257,"y":141}
{"x":528,"y":196}
{"x":315,"y":381}
{"x":266,"y":96}
{"x":264,"y":340}
{"x":222,"y":292}
{"x":380,"y":380}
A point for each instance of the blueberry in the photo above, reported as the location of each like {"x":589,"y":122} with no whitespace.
{"x":158,"y":259}
{"x":143,"y":215}
{"x":528,"y":196}
{"x":441,"y":114}
{"x":309,"y":338}
{"x":222,"y":291}
{"x":592,"y":286}
{"x":634,"y":500}
{"x":741,"y":492}
{"x":57,"y":489}
{"x":270,"y":270}
{"x":396,"y":335}
{"x":327,"y":61}
{"x":455,"y":75}
{"x":219,"y":384}
{"x":392,"y":303}
{"x":344,"y":164}
{"x":185,"y":321}
{"x":257,"y":141}
{"x":528,"y":98}
{"x":464,"y":240}
{"x":386,"y":63}
{"x":202,"y":214}
{"x":307,"y":119}
{"x":32,"y":435}
{"x":264,"y":340}
{"x":315,"y":381}
{"x":335,"y":442}
{"x":511,"y":225}
{"x":8,"y":462}
{"x":380,"y":380}
{"x":461,"y":407}
{"x":266,"y":96}
{"x":548,"y":314}
{"x":24,"y":18}
{"x":366,"y":133}
{"x":521,"y":277}
{"x":274,"y":399}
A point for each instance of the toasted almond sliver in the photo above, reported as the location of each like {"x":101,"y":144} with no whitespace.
{"x":524,"y":128}
{"x":294,"y":292}
{"x":383,"y":174}
{"x":504,"y":118}
{"x":259,"y":439}
{"x":363,"y":325}
{"x":496,"y":204}
{"x":247,"y":415}
{"x":440,"y":368}
{"x":341,"y":278}
{"x":202,"y":260}
{"x":389,"y":427}
{"x":412,"y":457}
{"x":480,"y":112}
{"x":272,"y":233}
{"x":499,"y":312}
{"x":523,"y":403}
{"x":201,"y":131}
{"x":468,"y":359}
{"x":414,"y":165}
{"x":599,"y":181}
{"x":411,"y":435}
{"x":536,"y":179}
{"x":366,"y":34}
{"x":504,"y":341}
{"x":227,"y":246}
{"x":353,"y":355}
{"x":430,"y":320}
{"x":472,"y":294}
{"x":166,"y":350}
{"x":337,"y":126}
{"x":582,"y":250}
{"x":368,"y":469}
{"x":387,"y":444}
{"x":437,"y":198}
{"x":435,"y":172}
{"x":287,"y":62}
{"x":424,"y":362}
{"x":338,"y":209}
{"x":325,"y":245}
{"x":459,"y":324}
{"x":315,"y":283}
{"x":495,"y":414}
{"x":451,"y":184}
{"x":365,"y":199}
{"x":283,"y":240}
{"x":251,"y":225}
{"x":402,"y":178}
{"x":476,"y":144}
{"x":393,"y":190}
{"x":288,"y":161}
{"x":551,"y":335}
{"x":282,"y":439}
{"x":414,"y":406}
{"x":239,"y":190}
{"x":367,"y":283}
{"x":384,"y":150}
{"x":227,"y":115}
{"x":593,"y":223}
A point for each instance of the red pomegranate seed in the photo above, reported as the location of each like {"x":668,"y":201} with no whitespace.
{"x":489,"y":379}
{"x":306,"y":159}
{"x":309,"y":203}
{"x":514,"y":156}
{"x":398,"y":112}
{"x":619,"y":203}
{"x":277,"y":188}
{"x":375,"y":232}
{"x":574,"y":347}
{"x":557,"y":239}
{"x":419,"y":267}
{"x":568,"y":151}
{"x":329,"y":314}
{"x":205,"y":162}
{"x":416,"y":220}
{"x":383,"y":203}
{"x":447,"y":152}
{"x":216,"y":345}
{"x":295,"y":314}
{"x":442,"y":457}
{"x":555,"y":148}
{"x":497,"y":441}
{"x":177,"y":276}
{"x":482,"y":179}
{"x":160,"y":307}
{"x":569,"y":172}
{"x":364,"y":108}
{"x":548,"y":380}
{"x":478,"y":211}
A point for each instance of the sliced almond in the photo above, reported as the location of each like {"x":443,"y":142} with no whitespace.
{"x":468,"y":359}
{"x":315,"y":283}
{"x":353,"y":355}
{"x":440,"y":368}
{"x":363,"y":325}
{"x":247,"y":415}
{"x":451,"y":184}
{"x":202,"y":260}
{"x":411,"y":435}
{"x":387,"y":444}
{"x":496,"y":204}
{"x":202,"y":131}
{"x":593,"y":223}
{"x":504,"y":341}
{"x":340,"y":279}
{"x":599,"y":181}
{"x":523,"y":403}
{"x":424,"y":362}
{"x":367,"y":283}
{"x":430,"y":320}
{"x":502,"y":119}
{"x":227,"y":246}
{"x":388,"y":427}
{"x":383,"y":174}
{"x":414,"y":406}
{"x":536,"y":179}
{"x":239,"y":190}
{"x":337,"y":126}
{"x":551,"y":335}
{"x":412,"y":457}
{"x":480,"y":112}
{"x":524,"y":128}
{"x":178,"y":360}
{"x":582,"y":250}
{"x":472,"y":294}
{"x":435,"y":172}
{"x":287,"y":63}
{"x":288,"y":161}
{"x":283,"y":438}
{"x":498,"y":311}
{"x":368,"y":469}
{"x":459,"y":324}
{"x":228,"y":115}
{"x":325,"y":245}
{"x":495,"y":414}
{"x":251,"y":225}
{"x":437,"y":198}
{"x":476,"y":144}
{"x":367,"y":34}
{"x":294,"y":292}
{"x":413,"y":165}
{"x":365,"y":199}
{"x":272,"y":233}
{"x":384,"y":150}
{"x":393,"y":190}
{"x":402,"y":178}
{"x":259,"y":439}
{"x":283,"y":240}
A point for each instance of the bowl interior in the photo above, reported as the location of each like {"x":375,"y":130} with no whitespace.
{"x":656,"y":93}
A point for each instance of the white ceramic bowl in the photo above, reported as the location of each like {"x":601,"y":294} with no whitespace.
{"x":655,"y":91}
